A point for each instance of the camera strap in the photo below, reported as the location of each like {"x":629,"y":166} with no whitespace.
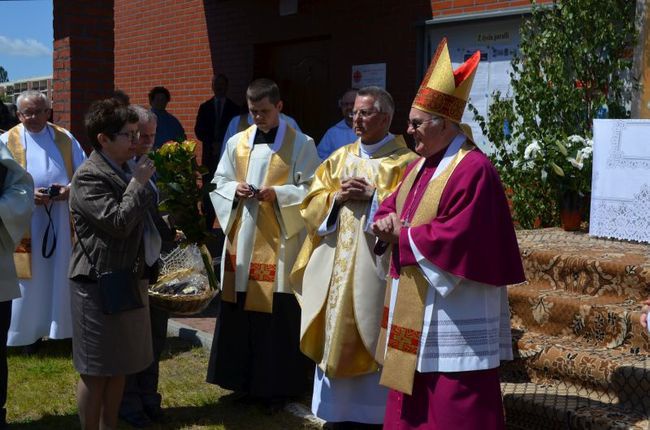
{"x":50,"y":227}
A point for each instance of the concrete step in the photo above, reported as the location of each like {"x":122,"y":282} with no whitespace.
{"x":614,"y":375}
{"x":576,"y":262}
{"x":606,"y":321}
{"x":531,"y":406}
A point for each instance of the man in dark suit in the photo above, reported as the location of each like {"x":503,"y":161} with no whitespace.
{"x":211,"y":124}
{"x":212,"y":120}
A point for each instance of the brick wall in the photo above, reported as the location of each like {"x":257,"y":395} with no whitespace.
{"x":164,"y":43}
{"x":83,"y":60}
{"x":456,"y":7}
{"x":180,"y":43}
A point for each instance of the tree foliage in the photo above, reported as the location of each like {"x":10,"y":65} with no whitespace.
{"x":4,"y":76}
{"x":573,"y":65}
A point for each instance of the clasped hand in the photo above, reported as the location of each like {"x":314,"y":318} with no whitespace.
{"x":354,"y":188}
{"x":388,"y":228}
{"x":246,"y":191}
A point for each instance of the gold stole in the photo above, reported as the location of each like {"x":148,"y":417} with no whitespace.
{"x":263,"y":265}
{"x":408,"y":316}
{"x":23,"y":252}
{"x":243,"y":123}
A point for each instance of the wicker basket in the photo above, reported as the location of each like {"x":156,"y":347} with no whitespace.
{"x":183,"y":304}
{"x":182,"y":262}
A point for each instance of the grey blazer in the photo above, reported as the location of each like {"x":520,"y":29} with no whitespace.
{"x":109,"y":216}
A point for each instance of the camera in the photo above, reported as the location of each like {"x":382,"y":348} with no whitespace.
{"x":254,"y":190}
{"x":52,"y":190}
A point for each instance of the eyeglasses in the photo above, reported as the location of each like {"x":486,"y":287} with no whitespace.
{"x":133,"y":135}
{"x":415,"y":123}
{"x":364,"y":113}
{"x":32,"y":113}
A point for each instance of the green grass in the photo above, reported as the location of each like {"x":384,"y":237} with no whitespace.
{"x":42,"y":393}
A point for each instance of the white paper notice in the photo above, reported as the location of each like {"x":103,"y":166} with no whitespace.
{"x":364,"y":75}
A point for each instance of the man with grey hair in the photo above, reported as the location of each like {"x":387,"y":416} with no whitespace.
{"x":341,"y":133}
{"x":342,"y":282}
{"x":51,"y":155}
{"x":141,"y":402}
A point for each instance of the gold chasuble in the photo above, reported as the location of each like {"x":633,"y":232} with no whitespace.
{"x":15,"y":144}
{"x":342,"y":289}
{"x":263,"y":264}
{"x":400,"y":361}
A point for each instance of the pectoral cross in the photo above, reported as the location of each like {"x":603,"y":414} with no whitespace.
{"x":405,"y":223}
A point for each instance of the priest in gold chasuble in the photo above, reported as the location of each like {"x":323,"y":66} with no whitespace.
{"x":261,"y":180}
{"x":342,"y":283}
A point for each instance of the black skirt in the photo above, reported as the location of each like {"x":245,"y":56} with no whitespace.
{"x":259,"y":353}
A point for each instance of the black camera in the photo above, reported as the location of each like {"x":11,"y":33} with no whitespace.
{"x":52,"y":190}
{"x":254,"y":190}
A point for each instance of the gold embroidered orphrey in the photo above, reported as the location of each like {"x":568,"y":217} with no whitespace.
{"x":263,"y":264}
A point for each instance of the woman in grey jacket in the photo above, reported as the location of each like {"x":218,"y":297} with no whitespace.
{"x":109,"y":204}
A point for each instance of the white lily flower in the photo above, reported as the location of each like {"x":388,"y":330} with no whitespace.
{"x":586,"y":152}
{"x":528,"y":165}
{"x":576,"y":139}
{"x":532,"y":150}
{"x":577,"y":162}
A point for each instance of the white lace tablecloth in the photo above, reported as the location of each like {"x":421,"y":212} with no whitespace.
{"x":620,"y":194}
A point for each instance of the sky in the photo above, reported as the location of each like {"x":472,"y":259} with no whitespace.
{"x":26,"y":38}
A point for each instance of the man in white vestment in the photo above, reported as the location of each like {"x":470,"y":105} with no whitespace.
{"x":261,"y":181}
{"x":16,"y":204}
{"x":341,"y":133}
{"x":51,"y":155}
{"x":342,"y":286}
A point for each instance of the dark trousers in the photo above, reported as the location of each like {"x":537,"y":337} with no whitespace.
{"x":259,"y":353}
{"x":141,"y":389}
{"x":5,"y":321}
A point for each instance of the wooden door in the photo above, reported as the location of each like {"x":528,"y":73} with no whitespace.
{"x":301,"y":70}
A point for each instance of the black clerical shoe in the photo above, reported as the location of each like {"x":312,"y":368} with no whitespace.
{"x":33,"y":348}
{"x":154,"y":412}
{"x":242,"y":397}
{"x":136,"y":419}
{"x":273,"y":406}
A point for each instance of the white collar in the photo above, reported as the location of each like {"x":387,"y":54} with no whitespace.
{"x":368,"y":150}
{"x":450,"y":153}
{"x":279,"y":136}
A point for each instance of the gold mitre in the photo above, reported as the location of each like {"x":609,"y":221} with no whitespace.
{"x":444,"y":91}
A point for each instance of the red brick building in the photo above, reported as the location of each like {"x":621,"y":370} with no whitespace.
{"x":309,"y":47}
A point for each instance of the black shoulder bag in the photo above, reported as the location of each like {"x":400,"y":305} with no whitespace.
{"x":118,"y":289}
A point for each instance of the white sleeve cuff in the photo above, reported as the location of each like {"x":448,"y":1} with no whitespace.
{"x":444,"y":282}
{"x":372,"y":209}
{"x":328,"y":225}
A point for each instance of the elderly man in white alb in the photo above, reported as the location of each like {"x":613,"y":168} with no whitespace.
{"x":51,"y":155}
